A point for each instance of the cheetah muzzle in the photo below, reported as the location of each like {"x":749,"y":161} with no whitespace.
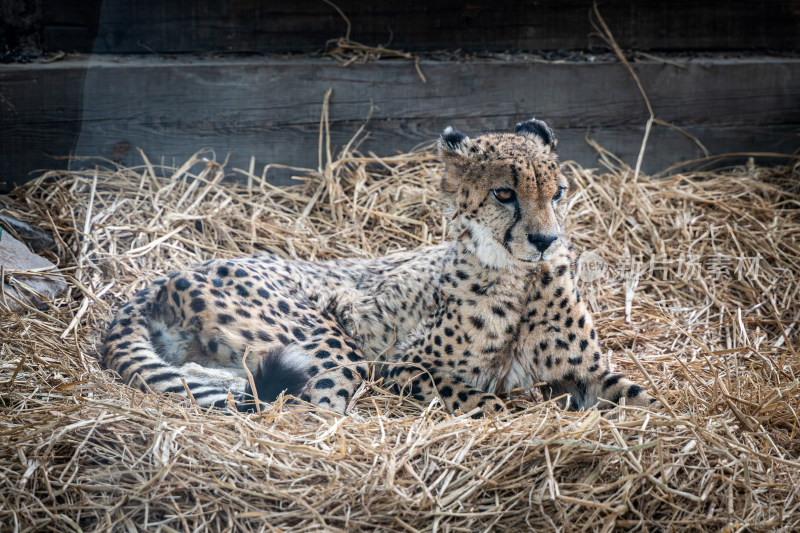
{"x":493,"y":309}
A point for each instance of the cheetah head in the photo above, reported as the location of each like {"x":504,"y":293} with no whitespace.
{"x":505,"y":192}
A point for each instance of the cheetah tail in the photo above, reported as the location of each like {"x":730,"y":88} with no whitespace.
{"x":281,"y":370}
{"x":129,"y":350}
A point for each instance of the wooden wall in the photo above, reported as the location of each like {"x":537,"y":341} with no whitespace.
{"x":125,"y":26}
{"x":136,"y":91}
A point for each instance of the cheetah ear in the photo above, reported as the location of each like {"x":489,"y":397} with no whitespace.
{"x":453,"y":144}
{"x":537,"y":131}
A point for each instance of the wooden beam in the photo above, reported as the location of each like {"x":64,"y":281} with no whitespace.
{"x":269,"y":108}
{"x":121,"y":26}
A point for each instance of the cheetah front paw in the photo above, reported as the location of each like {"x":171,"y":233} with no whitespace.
{"x":485,"y":405}
{"x":634,"y":396}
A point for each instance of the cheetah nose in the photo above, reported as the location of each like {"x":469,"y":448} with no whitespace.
{"x":541,"y":242}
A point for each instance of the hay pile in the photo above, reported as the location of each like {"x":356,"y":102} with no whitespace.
{"x":699,"y":303}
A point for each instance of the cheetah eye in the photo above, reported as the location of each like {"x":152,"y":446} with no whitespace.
{"x":504,"y":195}
{"x":558,"y":195}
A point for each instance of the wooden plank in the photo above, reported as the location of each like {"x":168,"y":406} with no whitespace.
{"x":70,"y":27}
{"x":266,"y":92}
{"x":298,"y":146}
{"x":20,"y":30}
{"x":120,"y":26}
{"x":270,"y":107}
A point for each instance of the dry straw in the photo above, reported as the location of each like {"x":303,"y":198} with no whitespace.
{"x":699,"y":303}
{"x":347,"y":51}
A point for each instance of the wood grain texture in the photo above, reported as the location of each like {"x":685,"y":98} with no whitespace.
{"x":119,"y":26}
{"x":270,"y":108}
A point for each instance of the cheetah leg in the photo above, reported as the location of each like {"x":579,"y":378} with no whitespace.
{"x":424,"y":382}
{"x":324,"y":370}
{"x":611,"y":388}
{"x":339,"y":368}
{"x":606,"y":392}
{"x":577,"y":368}
{"x":560,"y":344}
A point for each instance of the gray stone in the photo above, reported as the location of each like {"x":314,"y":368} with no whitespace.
{"x":15,"y":256}
{"x":36,"y":239}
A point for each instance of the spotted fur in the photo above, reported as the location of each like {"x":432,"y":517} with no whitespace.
{"x":493,"y":309}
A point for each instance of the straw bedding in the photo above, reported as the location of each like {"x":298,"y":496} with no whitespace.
{"x":699,"y":303}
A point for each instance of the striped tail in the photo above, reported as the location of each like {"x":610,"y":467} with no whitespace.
{"x":148,"y":353}
{"x":134,"y":348}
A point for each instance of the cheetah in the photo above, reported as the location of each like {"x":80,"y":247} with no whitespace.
{"x":493,"y":309}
